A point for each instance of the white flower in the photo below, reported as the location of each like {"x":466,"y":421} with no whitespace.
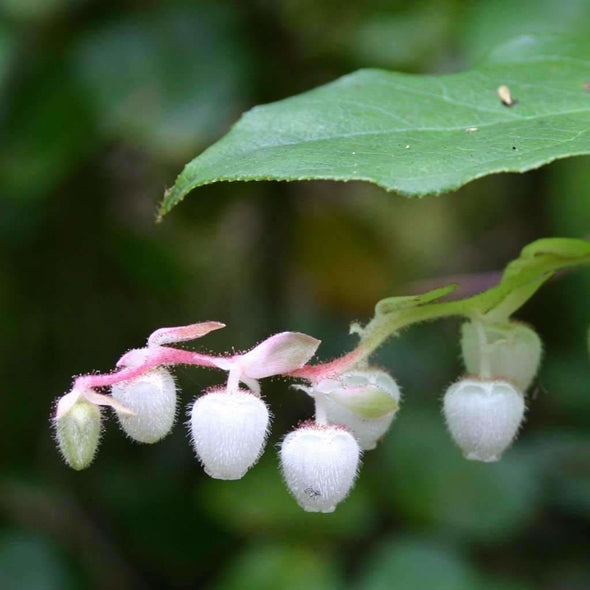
{"x":229,"y":431}
{"x":152,"y":398}
{"x":319,"y":465}
{"x":364,"y":400}
{"x":483,"y":416}
{"x":514,"y":351}
{"x":78,"y":433}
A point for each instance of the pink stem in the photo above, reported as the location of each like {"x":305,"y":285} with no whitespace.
{"x":161,"y":356}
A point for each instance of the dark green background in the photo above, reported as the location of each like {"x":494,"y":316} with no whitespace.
{"x":101,"y":104}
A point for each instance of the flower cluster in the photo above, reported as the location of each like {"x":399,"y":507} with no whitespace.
{"x":355,"y":404}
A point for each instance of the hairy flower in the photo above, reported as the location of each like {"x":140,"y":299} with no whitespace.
{"x":513,"y":351}
{"x":319,"y":464}
{"x":151,"y":396}
{"x":483,"y":417}
{"x":229,"y":431}
{"x":364,"y":400}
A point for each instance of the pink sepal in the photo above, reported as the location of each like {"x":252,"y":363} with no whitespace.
{"x":182,"y":333}
{"x":69,"y":400}
{"x":281,"y":353}
{"x":99,"y":399}
{"x":135,"y":357}
{"x":66,"y":403}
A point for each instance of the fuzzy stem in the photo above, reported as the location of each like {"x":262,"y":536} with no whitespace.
{"x":321,"y":414}
{"x":159,"y":356}
{"x":382,"y":327}
{"x":233,"y":380}
{"x":374,"y":334}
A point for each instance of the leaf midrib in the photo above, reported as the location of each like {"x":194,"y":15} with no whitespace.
{"x":392,"y":131}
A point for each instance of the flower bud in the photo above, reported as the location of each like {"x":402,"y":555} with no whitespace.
{"x":152,"y":398}
{"x":319,"y":465}
{"x":228,"y":431}
{"x":78,"y":434}
{"x":513,"y":350}
{"x":364,"y":400}
{"x":483,"y":417}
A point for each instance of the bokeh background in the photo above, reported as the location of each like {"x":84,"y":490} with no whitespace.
{"x":102,"y":103}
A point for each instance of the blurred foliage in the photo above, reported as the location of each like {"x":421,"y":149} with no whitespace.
{"x":130,"y":68}
{"x":494,"y":21}
{"x":101,"y":105}
{"x":407,"y":563}
{"x":448,"y":494}
{"x":28,"y":560}
{"x":285,"y":567}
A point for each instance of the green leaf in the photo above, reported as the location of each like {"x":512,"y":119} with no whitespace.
{"x":395,"y":304}
{"x":414,"y":134}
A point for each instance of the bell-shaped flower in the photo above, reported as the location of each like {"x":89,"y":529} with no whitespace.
{"x":364,"y":400}
{"x":151,"y":397}
{"x":513,"y":351}
{"x":483,"y":417}
{"x":229,"y":431}
{"x":319,"y":464}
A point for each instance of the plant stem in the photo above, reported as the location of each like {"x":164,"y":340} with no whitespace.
{"x":233,"y":380}
{"x":485,"y":370}
{"x":161,"y":355}
{"x":321,"y":415}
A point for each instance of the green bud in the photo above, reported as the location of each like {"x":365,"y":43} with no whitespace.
{"x":513,"y":351}
{"x":364,"y":400}
{"x":369,"y":393}
{"x":78,"y":434}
